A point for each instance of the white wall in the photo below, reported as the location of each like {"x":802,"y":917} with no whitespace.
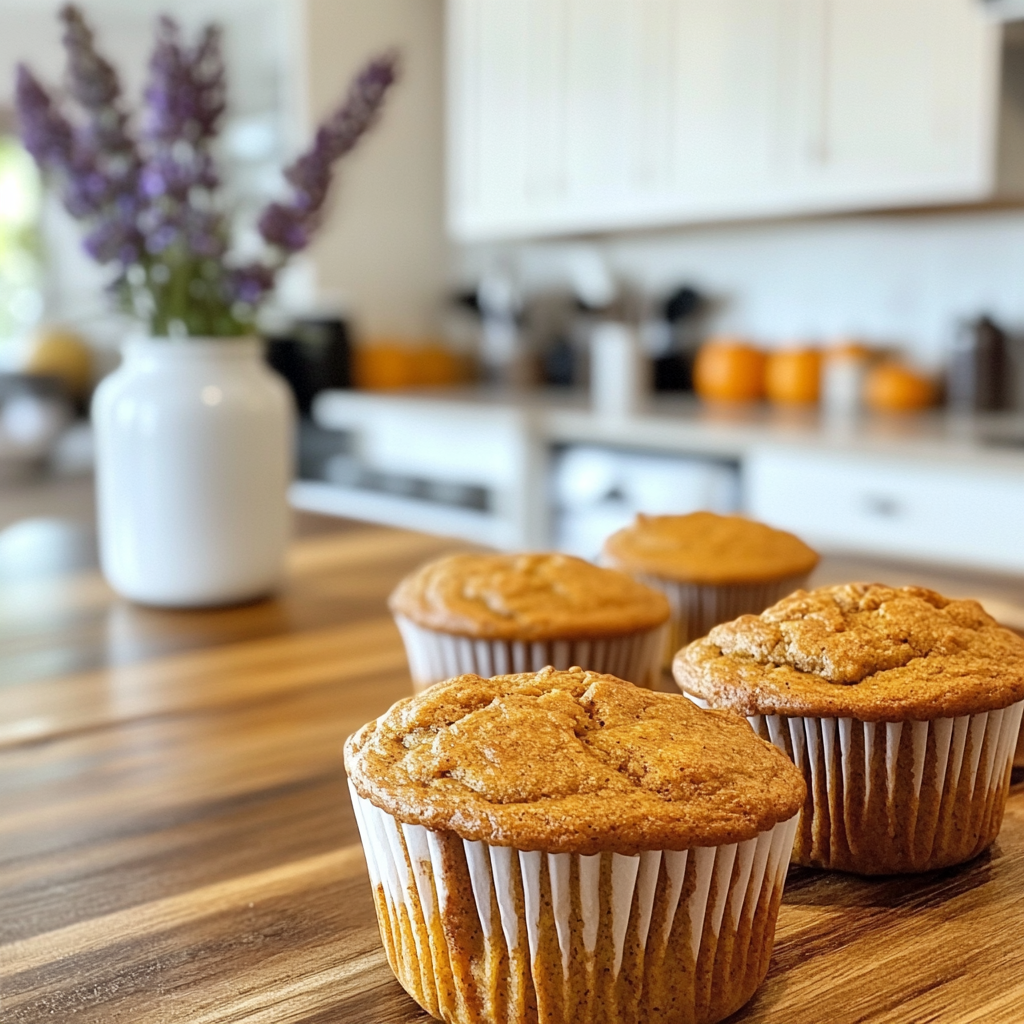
{"x":383,"y":253}
{"x":30,"y":32}
{"x":905,"y":279}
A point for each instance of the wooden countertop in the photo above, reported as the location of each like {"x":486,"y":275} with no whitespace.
{"x":177,"y":844}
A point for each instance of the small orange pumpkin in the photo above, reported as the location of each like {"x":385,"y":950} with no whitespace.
{"x":438,"y":365}
{"x":892,"y":386}
{"x":729,"y":370}
{"x":848,"y":348}
{"x":793,"y":376}
{"x":384,"y":365}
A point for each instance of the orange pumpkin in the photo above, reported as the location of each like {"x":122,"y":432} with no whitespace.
{"x":437,"y":365}
{"x":892,"y":386}
{"x":729,"y":370}
{"x":793,"y":376}
{"x":848,"y":348}
{"x":385,"y":364}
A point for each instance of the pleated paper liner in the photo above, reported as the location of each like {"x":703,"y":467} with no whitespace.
{"x":479,"y":933}
{"x":434,"y":656}
{"x":897,"y":797}
{"x":699,"y":607}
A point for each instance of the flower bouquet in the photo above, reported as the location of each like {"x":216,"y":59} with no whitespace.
{"x":193,"y":433}
{"x":147,"y":188}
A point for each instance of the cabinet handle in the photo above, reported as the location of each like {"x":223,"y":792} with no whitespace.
{"x":818,"y":136}
{"x":883,"y":506}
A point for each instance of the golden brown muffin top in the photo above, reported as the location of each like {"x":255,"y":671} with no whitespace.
{"x":865,"y":651}
{"x":527,"y":597}
{"x":571,"y":762}
{"x":707,"y":548}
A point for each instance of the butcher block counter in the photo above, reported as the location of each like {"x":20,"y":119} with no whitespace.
{"x":177,"y":843}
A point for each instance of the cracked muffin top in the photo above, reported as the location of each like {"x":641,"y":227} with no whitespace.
{"x":708,"y":548}
{"x":865,"y":651}
{"x":571,"y":762}
{"x":527,"y":597}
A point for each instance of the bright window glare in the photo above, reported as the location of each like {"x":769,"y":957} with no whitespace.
{"x":20,"y":271}
{"x":19,"y":187}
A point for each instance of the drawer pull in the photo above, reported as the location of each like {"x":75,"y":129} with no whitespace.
{"x":883,"y":506}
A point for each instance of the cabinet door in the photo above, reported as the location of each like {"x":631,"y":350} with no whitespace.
{"x":584,"y":115}
{"x":621,"y":66}
{"x":506,"y":114}
{"x":589,"y":115}
{"x":899,"y":102}
{"x":950,"y":512}
{"x":560,"y":114}
{"x":727,"y":94}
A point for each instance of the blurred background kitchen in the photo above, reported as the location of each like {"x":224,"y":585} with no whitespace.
{"x":604,"y":256}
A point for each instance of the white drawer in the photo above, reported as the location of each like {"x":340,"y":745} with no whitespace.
{"x":447,"y":441}
{"x":951,"y":513}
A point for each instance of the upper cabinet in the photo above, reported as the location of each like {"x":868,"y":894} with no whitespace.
{"x":896,"y":104}
{"x":591,"y":115}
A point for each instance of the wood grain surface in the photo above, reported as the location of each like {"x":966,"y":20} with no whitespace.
{"x":177,"y":844}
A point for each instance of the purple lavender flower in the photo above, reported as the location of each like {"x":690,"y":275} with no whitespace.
{"x":151,"y":203}
{"x":285,"y":227}
{"x":106,"y":177}
{"x":250,"y":284}
{"x":94,"y":84}
{"x":88,"y":192}
{"x":186,"y":94}
{"x":96,"y":165}
{"x":290,"y":226}
{"x":46,"y":132}
{"x":185,"y":99}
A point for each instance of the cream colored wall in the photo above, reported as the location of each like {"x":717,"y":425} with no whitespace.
{"x":382,"y":252}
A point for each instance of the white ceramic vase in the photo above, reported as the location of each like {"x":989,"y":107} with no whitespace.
{"x":193,"y":461}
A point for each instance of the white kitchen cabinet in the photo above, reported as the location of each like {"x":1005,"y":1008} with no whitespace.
{"x":895,"y":103}
{"x":911,"y":509}
{"x":399,"y":443}
{"x":577,"y":115}
{"x":596,"y":490}
{"x":495,"y":68}
{"x":557,"y":472}
{"x":587,"y":115}
{"x":727,"y":106}
{"x":558,"y":109}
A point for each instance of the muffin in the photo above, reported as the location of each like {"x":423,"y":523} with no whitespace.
{"x":565,"y":846}
{"x":900,"y":706}
{"x":710,"y":567}
{"x":492,"y":614}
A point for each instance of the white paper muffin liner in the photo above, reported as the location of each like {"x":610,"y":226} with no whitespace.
{"x":433,"y":655}
{"x":699,"y":607}
{"x":896,"y":797}
{"x":478,"y":933}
